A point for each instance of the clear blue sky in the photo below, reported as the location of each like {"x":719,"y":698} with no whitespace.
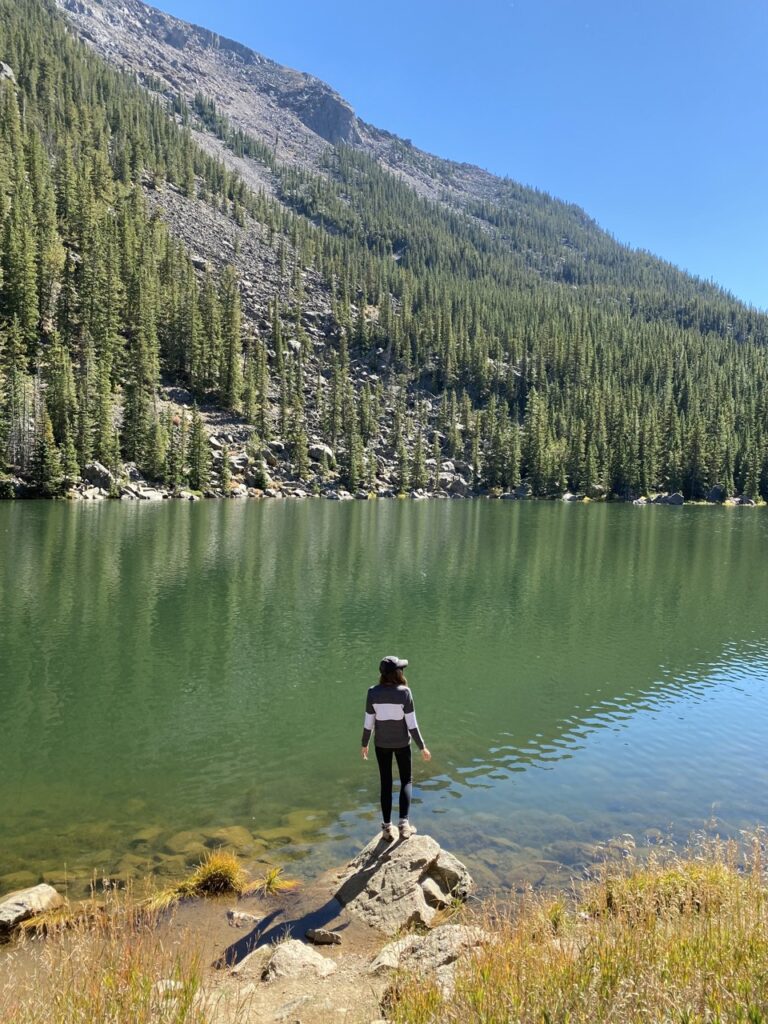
{"x":651,"y":114}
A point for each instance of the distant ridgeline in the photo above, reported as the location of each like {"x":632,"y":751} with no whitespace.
{"x":512,"y":334}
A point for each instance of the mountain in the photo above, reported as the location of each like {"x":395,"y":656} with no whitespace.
{"x":185,"y":221}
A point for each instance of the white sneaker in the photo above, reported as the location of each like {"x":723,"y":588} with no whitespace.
{"x":388,"y":832}
{"x":406,"y":829}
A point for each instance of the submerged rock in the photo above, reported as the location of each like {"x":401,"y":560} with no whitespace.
{"x":391,"y":886}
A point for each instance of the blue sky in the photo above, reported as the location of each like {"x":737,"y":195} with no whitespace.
{"x":650,"y":114}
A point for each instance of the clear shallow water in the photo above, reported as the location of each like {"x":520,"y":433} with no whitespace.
{"x":579,"y":672}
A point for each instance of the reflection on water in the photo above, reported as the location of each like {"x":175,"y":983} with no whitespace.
{"x":579,"y":672}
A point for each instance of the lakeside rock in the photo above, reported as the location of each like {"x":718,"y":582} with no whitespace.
{"x":293,"y":959}
{"x":392,"y":886}
{"x":18,"y":906}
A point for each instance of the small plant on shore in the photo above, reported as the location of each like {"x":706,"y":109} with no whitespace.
{"x":218,"y":873}
{"x":270,"y":884}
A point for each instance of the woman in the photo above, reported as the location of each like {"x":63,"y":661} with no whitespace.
{"x":389,"y":707}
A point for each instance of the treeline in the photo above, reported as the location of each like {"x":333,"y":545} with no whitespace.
{"x":511,"y":334}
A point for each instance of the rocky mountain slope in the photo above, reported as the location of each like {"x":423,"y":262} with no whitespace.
{"x":354,"y":312}
{"x":298,"y":115}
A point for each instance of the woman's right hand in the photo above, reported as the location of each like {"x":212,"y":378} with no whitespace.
{"x":425,"y":753}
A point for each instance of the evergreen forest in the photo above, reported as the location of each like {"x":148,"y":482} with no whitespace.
{"x":511,"y":334}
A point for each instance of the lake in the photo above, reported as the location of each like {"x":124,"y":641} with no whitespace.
{"x":172,"y":670}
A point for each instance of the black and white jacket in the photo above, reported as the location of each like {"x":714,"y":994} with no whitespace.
{"x":389,"y":711}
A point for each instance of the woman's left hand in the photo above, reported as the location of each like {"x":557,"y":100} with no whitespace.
{"x":425,"y":753}
{"x":364,"y":752}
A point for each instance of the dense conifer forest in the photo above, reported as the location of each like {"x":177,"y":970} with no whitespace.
{"x":513,"y":335}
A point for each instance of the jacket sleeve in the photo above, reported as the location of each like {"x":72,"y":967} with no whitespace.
{"x":410,"y":721}
{"x":370,"y":718}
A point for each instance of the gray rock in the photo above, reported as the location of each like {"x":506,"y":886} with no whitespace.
{"x":459,"y":486}
{"x":316,"y":452}
{"x":384,"y":884}
{"x":150,"y":494}
{"x":674,"y":499}
{"x":254,"y":963}
{"x":322,"y":937}
{"x":294,"y":959}
{"x":508,"y":496}
{"x":523,"y":491}
{"x":743,"y":500}
{"x":6,"y":73}
{"x":18,"y":906}
{"x":426,"y":953}
{"x":238,"y":919}
{"x":96,"y":473}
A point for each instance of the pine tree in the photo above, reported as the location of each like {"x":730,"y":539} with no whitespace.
{"x":225,"y":472}
{"x":199,"y":453}
{"x":231,"y":369}
{"x":47,"y":474}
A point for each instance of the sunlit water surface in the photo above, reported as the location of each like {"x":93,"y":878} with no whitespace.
{"x":579,"y":672}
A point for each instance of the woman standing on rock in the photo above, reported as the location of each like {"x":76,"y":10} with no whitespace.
{"x":389,"y":709}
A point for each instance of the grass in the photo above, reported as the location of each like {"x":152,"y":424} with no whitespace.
{"x":111,"y":970}
{"x":270,"y":884}
{"x":680,"y":939}
{"x":217,"y":874}
{"x":107,"y":963}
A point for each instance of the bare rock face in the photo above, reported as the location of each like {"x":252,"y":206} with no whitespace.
{"x":18,"y":906}
{"x":293,"y":959}
{"x":393,"y":885}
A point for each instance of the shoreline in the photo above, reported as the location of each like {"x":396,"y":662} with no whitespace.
{"x":146,"y":492}
{"x":243,"y":958}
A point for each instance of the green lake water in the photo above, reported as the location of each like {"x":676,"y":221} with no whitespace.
{"x":171,"y":670}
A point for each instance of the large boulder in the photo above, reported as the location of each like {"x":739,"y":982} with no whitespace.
{"x":96,"y":473}
{"x":459,"y":486}
{"x":294,"y":959}
{"x":393,"y":885}
{"x":18,"y":906}
{"x":318,"y":450}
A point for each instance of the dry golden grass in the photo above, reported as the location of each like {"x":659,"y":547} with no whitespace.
{"x":680,"y":939}
{"x":109,"y":969}
{"x":270,"y":884}
{"x":218,"y":873}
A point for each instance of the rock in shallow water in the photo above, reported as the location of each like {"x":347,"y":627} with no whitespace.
{"x":394,"y":885}
{"x":18,"y":906}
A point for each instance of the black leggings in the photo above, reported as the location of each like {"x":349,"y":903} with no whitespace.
{"x":384,"y":757}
